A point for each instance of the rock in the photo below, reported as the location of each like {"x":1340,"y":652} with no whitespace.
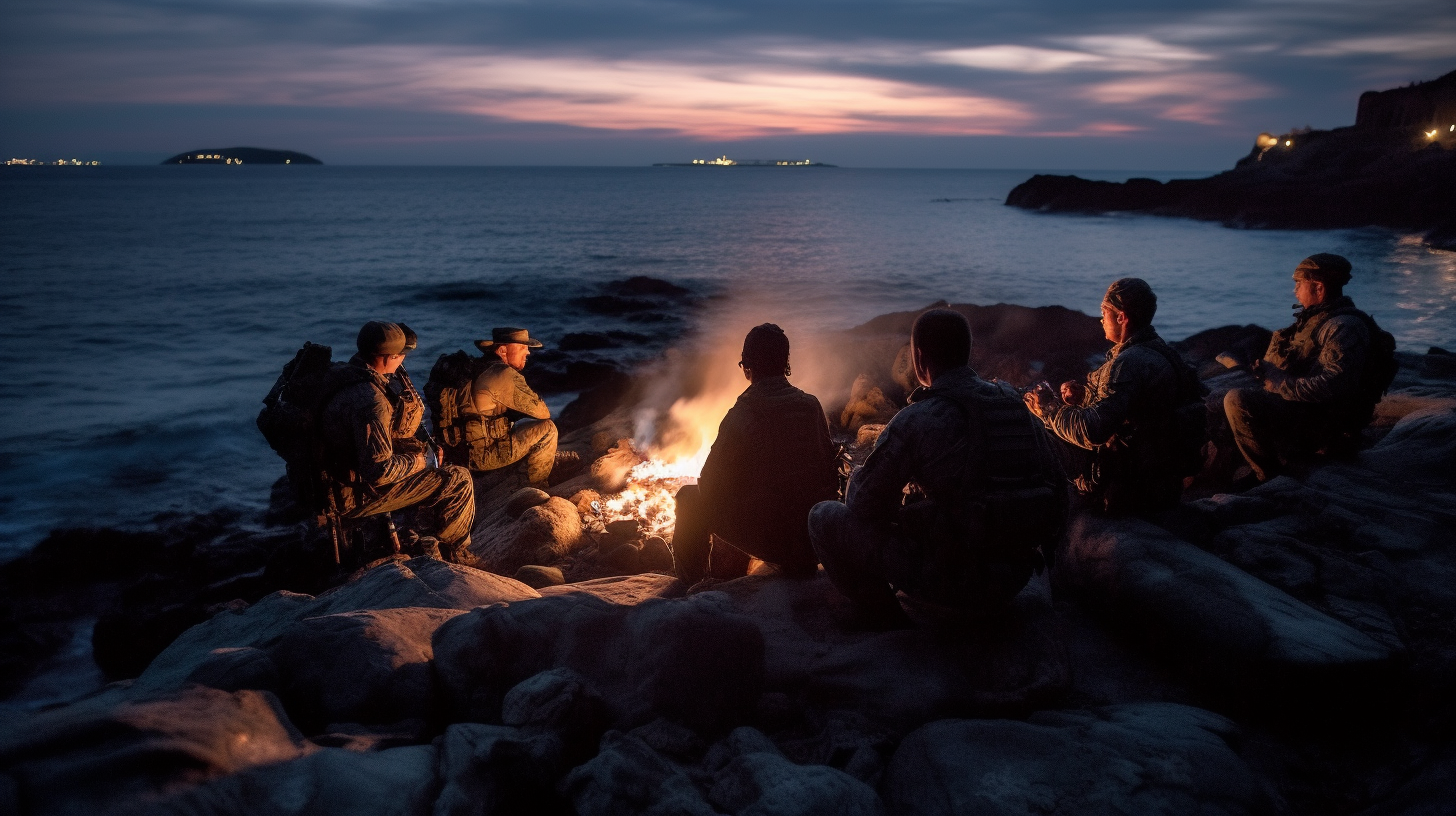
{"x":692,"y":660}
{"x":419,"y":582}
{"x":626,"y":590}
{"x":622,"y":530}
{"x":1134,"y":758}
{"x":1224,"y":625}
{"x":868,"y":435}
{"x":542,"y":535}
{"x":523,"y":499}
{"x":94,"y":755}
{"x":1421,"y":447}
{"x":627,"y":776}
{"x":656,"y":556}
{"x":1367,"y":175}
{"x":1004,"y":665}
{"x":583,"y":499}
{"x":867,"y":404}
{"x":378,"y":670}
{"x":610,"y":470}
{"x":750,"y":775}
{"x":625,"y":558}
{"x":488,"y":769}
{"x":562,"y":703}
{"x":394,"y":782}
{"x":902,"y":371}
{"x":538,"y":577}
{"x":234,"y":669}
{"x":602,"y":441}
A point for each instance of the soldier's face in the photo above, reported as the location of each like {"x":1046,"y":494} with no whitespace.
{"x":1308,"y":292}
{"x":387,"y":364}
{"x":1114,"y":324}
{"x":514,"y":355}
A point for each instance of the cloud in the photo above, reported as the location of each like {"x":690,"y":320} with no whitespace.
{"x":1200,"y":98}
{"x":1424,"y":45}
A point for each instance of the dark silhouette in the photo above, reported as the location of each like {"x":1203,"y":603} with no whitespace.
{"x":242,"y":155}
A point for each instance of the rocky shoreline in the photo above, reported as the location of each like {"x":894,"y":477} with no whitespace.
{"x":1290,"y":649}
{"x":1395,"y":168}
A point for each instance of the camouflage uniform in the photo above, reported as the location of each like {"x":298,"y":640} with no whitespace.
{"x":872,"y":541}
{"x":1311,"y":390}
{"x":379,"y":465}
{"x":771,"y":462}
{"x":499,"y":390}
{"x":1124,"y":432}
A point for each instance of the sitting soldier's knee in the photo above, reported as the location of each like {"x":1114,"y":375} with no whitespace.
{"x":825,"y":516}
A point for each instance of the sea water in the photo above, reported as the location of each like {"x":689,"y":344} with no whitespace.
{"x":147,"y":310}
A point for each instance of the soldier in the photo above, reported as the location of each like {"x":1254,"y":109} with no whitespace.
{"x":985,"y":494}
{"x":517,"y":425}
{"x":1122,"y":420}
{"x":772,"y":461}
{"x":371,"y":451}
{"x":1316,"y":390}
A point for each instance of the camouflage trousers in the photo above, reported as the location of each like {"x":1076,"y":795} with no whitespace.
{"x":707,"y":541}
{"x":444,"y":501}
{"x":1266,"y":425}
{"x":867,"y":565}
{"x":531,"y":442}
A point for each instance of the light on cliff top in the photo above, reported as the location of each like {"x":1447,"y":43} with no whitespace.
{"x":1289,"y":143}
{"x":1431,"y":134}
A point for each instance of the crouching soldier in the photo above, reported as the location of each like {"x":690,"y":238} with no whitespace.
{"x":373,"y":455}
{"x":771,"y":461}
{"x":1125,"y":448}
{"x":510,"y":424}
{"x":986,"y":493}
{"x":1321,"y":377}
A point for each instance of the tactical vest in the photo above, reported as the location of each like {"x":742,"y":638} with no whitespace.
{"x":1295,"y":351}
{"x":465,"y":434}
{"x":1011,"y":516}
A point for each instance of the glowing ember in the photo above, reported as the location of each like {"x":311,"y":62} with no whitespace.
{"x":649,"y":493}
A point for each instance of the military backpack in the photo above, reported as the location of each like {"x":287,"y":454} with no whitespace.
{"x":1381,"y":366}
{"x":290,"y":421}
{"x":1189,"y":432}
{"x":449,"y":393}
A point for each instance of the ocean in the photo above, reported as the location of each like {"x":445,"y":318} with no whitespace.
{"x":147,"y":310}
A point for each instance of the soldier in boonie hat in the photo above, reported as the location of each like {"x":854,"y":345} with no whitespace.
{"x":507,"y":336}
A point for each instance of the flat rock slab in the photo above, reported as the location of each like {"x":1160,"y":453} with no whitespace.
{"x":416,"y":583}
{"x":88,"y":757}
{"x":1225,"y":625}
{"x":999,"y":665}
{"x":1144,"y":758}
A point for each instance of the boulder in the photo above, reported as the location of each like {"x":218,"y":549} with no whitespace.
{"x":867,"y":405}
{"x":628,"y":776}
{"x":750,"y":775}
{"x":1002,"y":665}
{"x":610,"y":470}
{"x":237,"y":668}
{"x":378,"y":670}
{"x":94,"y":755}
{"x":523,"y":499}
{"x":656,"y":555}
{"x":542,"y":535}
{"x":488,"y":769}
{"x":419,"y":582}
{"x":394,"y":782}
{"x":693,"y":660}
{"x":539,"y":577}
{"x":868,"y":436}
{"x":1227,"y":627}
{"x":1133,"y":758}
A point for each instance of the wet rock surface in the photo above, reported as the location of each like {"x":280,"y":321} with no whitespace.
{"x":1287,"y":649}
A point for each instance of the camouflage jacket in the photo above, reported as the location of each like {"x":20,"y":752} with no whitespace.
{"x":368,"y":433}
{"x":1318,"y":359}
{"x":500,"y":388}
{"x":1130,"y":400}
{"x":772,"y":459}
{"x":932,"y":444}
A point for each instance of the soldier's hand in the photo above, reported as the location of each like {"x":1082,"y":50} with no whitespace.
{"x":1040,"y":398}
{"x":1073,"y":392}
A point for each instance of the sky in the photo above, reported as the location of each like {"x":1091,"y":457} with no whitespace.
{"x":1049,"y":84}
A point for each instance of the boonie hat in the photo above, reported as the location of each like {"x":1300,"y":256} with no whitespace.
{"x":1326,"y":267}
{"x":380,"y":339}
{"x":506,"y":335}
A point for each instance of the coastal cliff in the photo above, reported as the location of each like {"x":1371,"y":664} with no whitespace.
{"x":1395,"y":167}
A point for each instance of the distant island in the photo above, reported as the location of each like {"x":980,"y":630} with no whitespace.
{"x":1395,"y":168}
{"x":724,"y":161}
{"x":242,"y":155}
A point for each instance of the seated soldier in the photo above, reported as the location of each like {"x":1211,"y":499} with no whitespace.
{"x":515,"y":423}
{"x":1315,"y":392}
{"x":372,"y":455}
{"x":772,"y":461}
{"x":986,"y":492}
{"x":1120,"y":425}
